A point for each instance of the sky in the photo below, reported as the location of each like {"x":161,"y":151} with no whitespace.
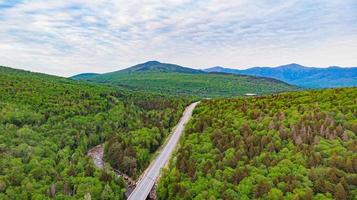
{"x":70,"y":37}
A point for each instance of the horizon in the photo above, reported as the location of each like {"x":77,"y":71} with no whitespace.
{"x":67,"y":38}
{"x":218,"y":66}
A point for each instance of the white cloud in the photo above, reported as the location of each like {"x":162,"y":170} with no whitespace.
{"x":69,"y":37}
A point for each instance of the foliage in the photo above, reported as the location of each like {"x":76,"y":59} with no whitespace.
{"x":202,"y":85}
{"x":299,"y":145}
{"x":48,"y":123}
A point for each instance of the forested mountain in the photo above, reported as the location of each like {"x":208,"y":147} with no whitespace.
{"x":309,"y":77}
{"x":173,"y":79}
{"x":155,"y":66}
{"x":84,"y":76}
{"x":48,"y":123}
{"x":299,"y":145}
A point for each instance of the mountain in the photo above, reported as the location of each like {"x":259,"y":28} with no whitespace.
{"x":173,"y":79}
{"x":150,"y":66}
{"x":220,"y":69}
{"x":155,"y":66}
{"x":216,"y":69}
{"x":309,"y":77}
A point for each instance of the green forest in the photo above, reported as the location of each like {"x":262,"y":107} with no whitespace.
{"x":295,"y":145}
{"x":201,"y":85}
{"x":299,"y":145}
{"x":48,"y":123}
{"x":165,"y":78}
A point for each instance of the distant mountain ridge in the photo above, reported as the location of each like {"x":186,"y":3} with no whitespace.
{"x":309,"y":77}
{"x":156,"y":66}
{"x":149,"y":66}
{"x":174,"y":79}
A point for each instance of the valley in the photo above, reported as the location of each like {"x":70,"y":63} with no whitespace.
{"x":152,"y":174}
{"x":102,"y":135}
{"x":129,"y":100}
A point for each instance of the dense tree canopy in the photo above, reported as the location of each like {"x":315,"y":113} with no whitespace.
{"x":47,"y":124}
{"x":299,"y":145}
{"x":210,"y":85}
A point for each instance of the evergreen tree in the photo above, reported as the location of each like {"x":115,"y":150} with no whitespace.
{"x":340,"y":192}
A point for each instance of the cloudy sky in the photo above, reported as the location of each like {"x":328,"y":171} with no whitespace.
{"x":68,"y":37}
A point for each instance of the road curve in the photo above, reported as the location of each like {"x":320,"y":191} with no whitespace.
{"x":144,"y":185}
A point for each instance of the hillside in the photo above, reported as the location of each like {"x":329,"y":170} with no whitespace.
{"x":299,"y":145}
{"x":48,"y":123}
{"x":84,"y":76}
{"x":177,"y":80}
{"x":309,"y":77}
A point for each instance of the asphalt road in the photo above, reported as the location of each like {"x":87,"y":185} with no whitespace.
{"x":144,"y":185}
